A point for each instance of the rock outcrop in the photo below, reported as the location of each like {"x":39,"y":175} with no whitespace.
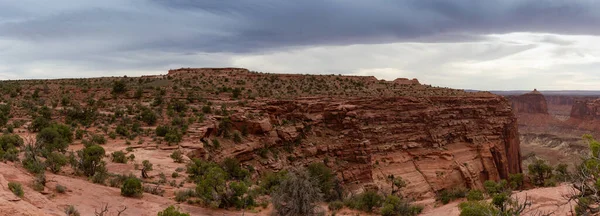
{"x":532,"y":102}
{"x":366,"y":130}
{"x":433,"y":143}
{"x":586,"y":109}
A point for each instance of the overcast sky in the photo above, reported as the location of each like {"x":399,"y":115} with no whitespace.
{"x":472,"y":44}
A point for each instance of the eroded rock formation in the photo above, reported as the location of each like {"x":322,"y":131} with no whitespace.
{"x":433,"y":143}
{"x":532,"y":102}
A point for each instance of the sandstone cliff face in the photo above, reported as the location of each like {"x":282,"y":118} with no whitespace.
{"x":533,"y":102}
{"x":433,"y":143}
{"x":586,"y":109}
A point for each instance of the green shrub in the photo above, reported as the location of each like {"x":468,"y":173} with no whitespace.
{"x":148,"y":116}
{"x":56,"y":137}
{"x":119,"y":87}
{"x":177,"y":156}
{"x":561,"y":172}
{"x":16,"y":188}
{"x":475,"y":195}
{"x":234,"y":169}
{"x":71,"y":211}
{"x":98,"y":139}
{"x":237,"y":138}
{"x":335,"y":205}
{"x":369,"y":200}
{"x":216,"y":143}
{"x":174,"y":175}
{"x":492,"y":187}
{"x":173,"y":136}
{"x":61,"y":189}
{"x":171,"y":211}
{"x":296,"y":195}
{"x":119,"y":157}
{"x":132,"y":187}
{"x":271,"y":180}
{"x":396,"y":206}
{"x":539,"y":172}
{"x":9,"y":141}
{"x":55,"y":161}
{"x":516,"y":180}
{"x":182,"y":196}
{"x":447,"y":195}
{"x":326,"y":181}
{"x":147,"y":165}
{"x":90,"y":160}
{"x":477,"y":208}
{"x":162,"y":130}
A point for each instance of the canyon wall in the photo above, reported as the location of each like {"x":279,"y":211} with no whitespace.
{"x":433,"y":143}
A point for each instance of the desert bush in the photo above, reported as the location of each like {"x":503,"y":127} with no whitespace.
{"x":477,"y":208}
{"x":8,"y":141}
{"x":447,"y":195}
{"x":154,"y":189}
{"x":16,"y":188}
{"x":173,"y":136}
{"x":516,"y":180}
{"x":31,"y":162}
{"x":55,"y":161}
{"x":132,"y":187}
{"x":119,"y":87}
{"x":172,"y":211}
{"x":162,"y":130}
{"x":56,"y":137}
{"x":146,"y":165}
{"x":561,"y":173}
{"x":90,"y":160}
{"x":98,"y":139}
{"x":234,"y":169}
{"x":396,"y":206}
{"x":182,"y":196}
{"x":71,"y":211}
{"x":177,"y":156}
{"x":475,"y":195}
{"x":296,"y":195}
{"x":326,"y":181}
{"x":492,"y":187}
{"x":539,"y":172}
{"x":119,"y":157}
{"x":237,"y":138}
{"x":148,"y":116}
{"x":270,"y":181}
{"x":335,"y":205}
{"x":39,"y":182}
{"x":216,"y":144}
{"x":38,"y":124}
{"x":61,"y":189}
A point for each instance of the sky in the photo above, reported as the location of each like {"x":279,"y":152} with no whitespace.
{"x":466,"y":44}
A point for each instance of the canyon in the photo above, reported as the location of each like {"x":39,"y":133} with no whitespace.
{"x":364,"y":129}
{"x":551,"y":123}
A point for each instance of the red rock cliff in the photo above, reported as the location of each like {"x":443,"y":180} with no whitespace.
{"x":433,"y":143}
{"x":366,"y":129}
{"x":533,"y":102}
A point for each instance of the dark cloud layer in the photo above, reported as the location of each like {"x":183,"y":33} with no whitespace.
{"x":248,"y":26}
{"x":117,"y":35}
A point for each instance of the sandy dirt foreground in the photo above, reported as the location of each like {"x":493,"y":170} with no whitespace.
{"x":84,"y":195}
{"x":545,"y":201}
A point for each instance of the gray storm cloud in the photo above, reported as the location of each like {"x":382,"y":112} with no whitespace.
{"x":153,"y":35}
